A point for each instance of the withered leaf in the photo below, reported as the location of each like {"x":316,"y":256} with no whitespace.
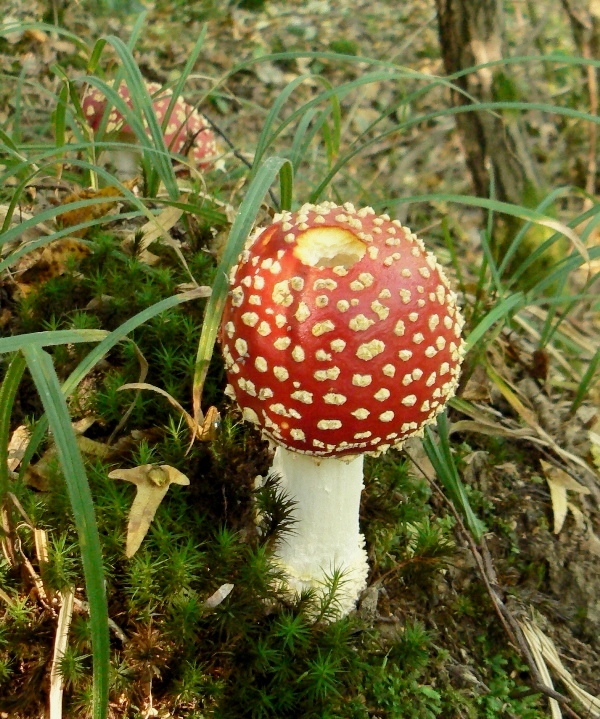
{"x":90,"y":212}
{"x":152,"y":482}
{"x":47,"y":262}
{"x":559,"y":482}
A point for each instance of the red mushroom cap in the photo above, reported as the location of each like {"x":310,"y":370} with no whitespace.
{"x":340,"y":334}
{"x":186,"y":127}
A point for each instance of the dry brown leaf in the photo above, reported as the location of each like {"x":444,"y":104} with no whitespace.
{"x":205,"y":430}
{"x":559,"y":482}
{"x":210,"y":425}
{"x":155,"y":228}
{"x":17,"y":446}
{"x":152,"y":482}
{"x":477,"y":388}
{"x":38,"y":475}
{"x":90,"y":212}
{"x":47,"y":262}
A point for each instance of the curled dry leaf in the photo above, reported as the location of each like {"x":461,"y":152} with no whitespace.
{"x":161,"y":224}
{"x":93,"y":211}
{"x":155,"y":229}
{"x":559,"y":482}
{"x":152,"y":482}
{"x":205,"y":430}
{"x":44,"y":263}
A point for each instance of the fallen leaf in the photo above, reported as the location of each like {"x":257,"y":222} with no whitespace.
{"x":90,"y":212}
{"x":17,"y":446}
{"x":152,"y":482}
{"x":154,"y":229}
{"x":559,"y":482}
{"x":38,"y":475}
{"x":47,"y":262}
{"x":477,"y":388}
{"x":219,"y":596}
{"x":270,"y":74}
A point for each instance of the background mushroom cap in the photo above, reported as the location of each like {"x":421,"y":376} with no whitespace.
{"x":340,"y":334}
{"x":186,"y":132}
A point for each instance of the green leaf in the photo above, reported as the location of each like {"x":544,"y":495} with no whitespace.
{"x":47,"y":384}
{"x":442,"y":460}
{"x":239,"y":232}
{"x":49,"y":338}
{"x":10,"y":384}
{"x":500,"y":311}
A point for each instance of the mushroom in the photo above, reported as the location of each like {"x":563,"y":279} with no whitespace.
{"x":341,"y":337}
{"x":186,"y":129}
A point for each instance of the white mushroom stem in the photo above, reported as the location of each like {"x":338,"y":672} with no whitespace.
{"x":126,"y":162}
{"x":326,"y":534}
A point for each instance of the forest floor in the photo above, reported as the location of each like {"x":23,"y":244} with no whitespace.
{"x":539,"y":565}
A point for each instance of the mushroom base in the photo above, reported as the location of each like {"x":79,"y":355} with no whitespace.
{"x":326,"y":534}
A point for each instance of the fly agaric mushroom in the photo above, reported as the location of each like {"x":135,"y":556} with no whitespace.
{"x":341,"y":337}
{"x":186,"y":129}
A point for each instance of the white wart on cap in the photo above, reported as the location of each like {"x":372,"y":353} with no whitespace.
{"x":341,"y":335}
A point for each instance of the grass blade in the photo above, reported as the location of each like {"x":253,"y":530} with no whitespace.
{"x":442,"y":460}
{"x":501,"y":310}
{"x":8,"y":391}
{"x":49,"y":338}
{"x":143,"y":103}
{"x":586,"y":381}
{"x":189,"y":66}
{"x":239,"y":232}
{"x":47,"y":384}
